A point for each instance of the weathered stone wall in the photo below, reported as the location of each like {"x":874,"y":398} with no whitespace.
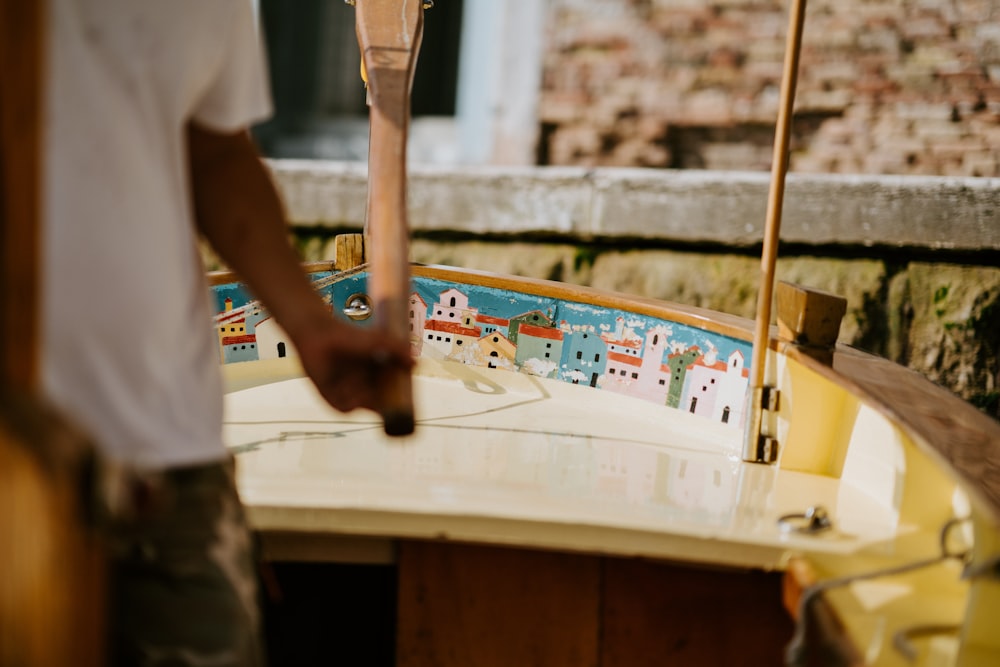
{"x":885,"y":87}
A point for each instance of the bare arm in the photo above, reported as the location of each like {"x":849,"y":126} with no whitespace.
{"x":239,"y":212}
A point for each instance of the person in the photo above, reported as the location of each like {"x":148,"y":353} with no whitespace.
{"x":147,"y":111}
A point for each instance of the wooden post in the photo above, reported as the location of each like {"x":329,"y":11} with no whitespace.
{"x":348,"y":251}
{"x":20,"y":172}
{"x":756,"y":446}
{"x":51,"y":565}
{"x":389,"y":32}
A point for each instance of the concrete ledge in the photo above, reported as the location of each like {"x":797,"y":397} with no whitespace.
{"x":673,"y":206}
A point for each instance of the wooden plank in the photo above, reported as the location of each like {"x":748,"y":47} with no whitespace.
{"x":464,"y":606}
{"x":663,"y":614}
{"x":325,"y":548}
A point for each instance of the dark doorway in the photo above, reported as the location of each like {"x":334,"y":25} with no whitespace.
{"x":316,"y":84}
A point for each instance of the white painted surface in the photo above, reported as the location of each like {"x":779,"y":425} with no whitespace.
{"x":506,"y":458}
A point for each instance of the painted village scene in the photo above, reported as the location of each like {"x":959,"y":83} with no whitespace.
{"x":667,"y":363}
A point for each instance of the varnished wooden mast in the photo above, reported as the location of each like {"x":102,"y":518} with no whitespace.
{"x":755,"y":447}
{"x":389,"y":32}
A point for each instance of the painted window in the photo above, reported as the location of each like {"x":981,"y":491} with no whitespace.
{"x":579,"y":354}
{"x":725,"y":415}
{"x":281,"y":350}
{"x":694,"y":403}
{"x":635,"y":376}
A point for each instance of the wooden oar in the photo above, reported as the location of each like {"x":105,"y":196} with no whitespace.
{"x":389,"y":32}
{"x":756,"y":446}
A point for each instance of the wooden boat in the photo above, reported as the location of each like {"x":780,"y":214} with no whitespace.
{"x":576,"y":471}
{"x":597,"y":479}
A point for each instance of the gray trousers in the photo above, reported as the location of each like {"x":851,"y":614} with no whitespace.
{"x":183,"y":586}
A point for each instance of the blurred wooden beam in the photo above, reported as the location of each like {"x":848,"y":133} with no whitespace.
{"x":20,"y":191}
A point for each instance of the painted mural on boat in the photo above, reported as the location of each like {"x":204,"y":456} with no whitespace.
{"x":661,"y":361}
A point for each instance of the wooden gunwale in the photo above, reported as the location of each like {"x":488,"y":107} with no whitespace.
{"x":722,"y":323}
{"x":942,"y":425}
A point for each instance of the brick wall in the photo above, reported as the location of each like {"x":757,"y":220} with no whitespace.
{"x":885,"y":87}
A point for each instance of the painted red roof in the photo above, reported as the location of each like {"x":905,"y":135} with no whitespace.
{"x":452,"y":328}
{"x":489,"y":319}
{"x":634,"y":343}
{"x":539,"y":332}
{"x":718,"y":365}
{"x":237,"y":340}
{"x":230,"y":318}
{"x":624,"y":359}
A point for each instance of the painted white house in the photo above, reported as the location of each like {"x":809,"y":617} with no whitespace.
{"x":716,"y":389}
{"x":272,"y":341}
{"x":418,"y":318}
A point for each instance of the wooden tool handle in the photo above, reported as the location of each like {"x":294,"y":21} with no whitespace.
{"x":389,"y":32}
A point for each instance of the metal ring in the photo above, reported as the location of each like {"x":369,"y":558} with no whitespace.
{"x":359,"y":307}
{"x":814,"y":520}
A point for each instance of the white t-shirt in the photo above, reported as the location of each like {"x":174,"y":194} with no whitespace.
{"x":128,"y":349}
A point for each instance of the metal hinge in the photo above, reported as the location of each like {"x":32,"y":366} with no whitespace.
{"x":760,"y":445}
